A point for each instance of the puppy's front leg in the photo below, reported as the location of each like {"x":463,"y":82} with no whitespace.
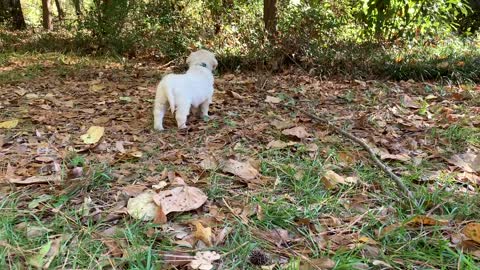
{"x":204,"y":109}
{"x":182,"y":114}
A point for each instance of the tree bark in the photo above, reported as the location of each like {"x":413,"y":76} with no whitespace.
{"x":47,"y":18}
{"x":270,"y":18}
{"x":11,"y":12}
{"x":78,"y":7}
{"x":61,"y":13}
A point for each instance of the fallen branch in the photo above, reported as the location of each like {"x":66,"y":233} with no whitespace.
{"x":398,"y":181}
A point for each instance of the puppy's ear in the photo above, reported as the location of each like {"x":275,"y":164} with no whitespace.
{"x":214,"y":64}
{"x":189,"y":59}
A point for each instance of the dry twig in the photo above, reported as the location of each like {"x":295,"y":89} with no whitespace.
{"x":398,"y":181}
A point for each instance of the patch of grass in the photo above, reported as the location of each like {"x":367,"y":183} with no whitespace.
{"x":457,"y":137}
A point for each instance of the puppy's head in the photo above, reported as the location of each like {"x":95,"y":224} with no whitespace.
{"x":202,"y":58}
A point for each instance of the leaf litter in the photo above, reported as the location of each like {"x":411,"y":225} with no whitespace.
{"x":108,"y":120}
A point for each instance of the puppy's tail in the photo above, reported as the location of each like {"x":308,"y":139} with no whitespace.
{"x":170,"y":97}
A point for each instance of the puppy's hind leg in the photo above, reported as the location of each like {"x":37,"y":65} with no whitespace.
{"x":159,"y":110}
{"x":181,"y":115}
{"x":204,"y":109}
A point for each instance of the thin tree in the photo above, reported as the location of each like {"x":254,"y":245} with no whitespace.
{"x":46,"y":16}
{"x":78,"y":7}
{"x":61,"y":13}
{"x":270,"y":18}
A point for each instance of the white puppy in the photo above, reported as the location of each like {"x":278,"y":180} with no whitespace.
{"x":183,"y":91}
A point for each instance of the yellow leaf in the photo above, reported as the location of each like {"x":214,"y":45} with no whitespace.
{"x":9,"y":124}
{"x":96,"y":87}
{"x":472,"y":231}
{"x":425,"y":221}
{"x":203,"y":234}
{"x":93,"y":135}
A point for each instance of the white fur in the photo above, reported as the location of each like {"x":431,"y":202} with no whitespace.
{"x":184,"y":91}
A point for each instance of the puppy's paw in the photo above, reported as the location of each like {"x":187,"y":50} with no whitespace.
{"x":158,"y":127}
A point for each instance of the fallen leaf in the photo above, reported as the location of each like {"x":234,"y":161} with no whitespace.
{"x":400,"y":157}
{"x":472,"y":231}
{"x":39,"y":179}
{"x":203,"y":233}
{"x":93,"y":135}
{"x":409,"y":102}
{"x":425,"y":221}
{"x":176,"y":258}
{"x":180,"y":199}
{"x":298,"y":132}
{"x":442,"y":65}
{"x":331,"y":179}
{"x":469,"y":161}
{"x":243,"y":170}
{"x":9,"y":124}
{"x":273,"y":100}
{"x":203,"y":260}
{"x":279,"y":144}
{"x":37,"y":201}
{"x":209,"y":163}
{"x":278,"y":124}
{"x":319,"y":263}
{"x":143,"y":207}
{"x":97,"y":87}
{"x":45,"y":255}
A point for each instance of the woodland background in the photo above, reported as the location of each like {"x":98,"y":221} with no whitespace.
{"x":392,"y":180}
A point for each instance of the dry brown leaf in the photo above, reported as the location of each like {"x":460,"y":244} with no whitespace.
{"x":469,"y":161}
{"x":472,"y":231}
{"x":278,"y":124}
{"x":203,"y":233}
{"x":176,"y":258}
{"x":142,"y":206}
{"x":243,"y":170}
{"x":209,"y":163}
{"x":273,"y":100}
{"x":180,"y":199}
{"x":409,"y":102}
{"x":331,"y":179}
{"x":320,"y":263}
{"x":279,"y":144}
{"x":38,"y":179}
{"x":298,"y":132}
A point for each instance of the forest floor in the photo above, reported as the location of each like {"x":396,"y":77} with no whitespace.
{"x":281,"y":191}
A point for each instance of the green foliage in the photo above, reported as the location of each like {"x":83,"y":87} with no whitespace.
{"x":406,"y":18}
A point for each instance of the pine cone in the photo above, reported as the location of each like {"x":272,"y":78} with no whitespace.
{"x":258,"y":257}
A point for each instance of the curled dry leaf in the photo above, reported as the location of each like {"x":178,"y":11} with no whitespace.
{"x":142,"y":206}
{"x":180,"y":199}
{"x":9,"y":124}
{"x":298,"y":132}
{"x":93,"y":135}
{"x":203,"y":260}
{"x":278,"y":124}
{"x":243,"y":170}
{"x":472,"y":231}
{"x":320,"y":263}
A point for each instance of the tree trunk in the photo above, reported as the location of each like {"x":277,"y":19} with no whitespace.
{"x":17,"y":15}
{"x":61,"y":13}
{"x":78,"y":7}
{"x":270,"y":18}
{"x":11,"y":12}
{"x":47,"y":19}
